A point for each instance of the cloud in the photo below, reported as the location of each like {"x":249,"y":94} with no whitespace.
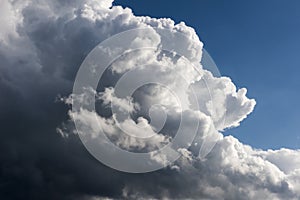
{"x":42,"y":45}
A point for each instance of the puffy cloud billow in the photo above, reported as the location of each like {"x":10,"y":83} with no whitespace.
{"x":43,"y":44}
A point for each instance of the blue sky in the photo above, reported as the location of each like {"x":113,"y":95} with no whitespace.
{"x":257,"y":44}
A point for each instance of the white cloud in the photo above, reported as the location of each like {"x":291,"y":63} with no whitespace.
{"x":47,"y":40}
{"x":285,"y":159}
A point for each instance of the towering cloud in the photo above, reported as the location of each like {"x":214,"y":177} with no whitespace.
{"x":43,"y":44}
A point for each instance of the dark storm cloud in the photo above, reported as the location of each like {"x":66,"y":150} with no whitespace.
{"x":41,"y":49}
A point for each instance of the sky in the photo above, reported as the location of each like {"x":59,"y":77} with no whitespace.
{"x":257,"y":45}
{"x":98,"y":102}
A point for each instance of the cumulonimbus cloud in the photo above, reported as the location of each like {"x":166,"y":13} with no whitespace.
{"x":42,"y":45}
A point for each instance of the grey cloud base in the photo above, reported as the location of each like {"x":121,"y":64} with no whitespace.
{"x":42,"y":45}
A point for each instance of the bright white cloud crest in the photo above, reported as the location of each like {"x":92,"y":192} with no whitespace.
{"x":153,"y":94}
